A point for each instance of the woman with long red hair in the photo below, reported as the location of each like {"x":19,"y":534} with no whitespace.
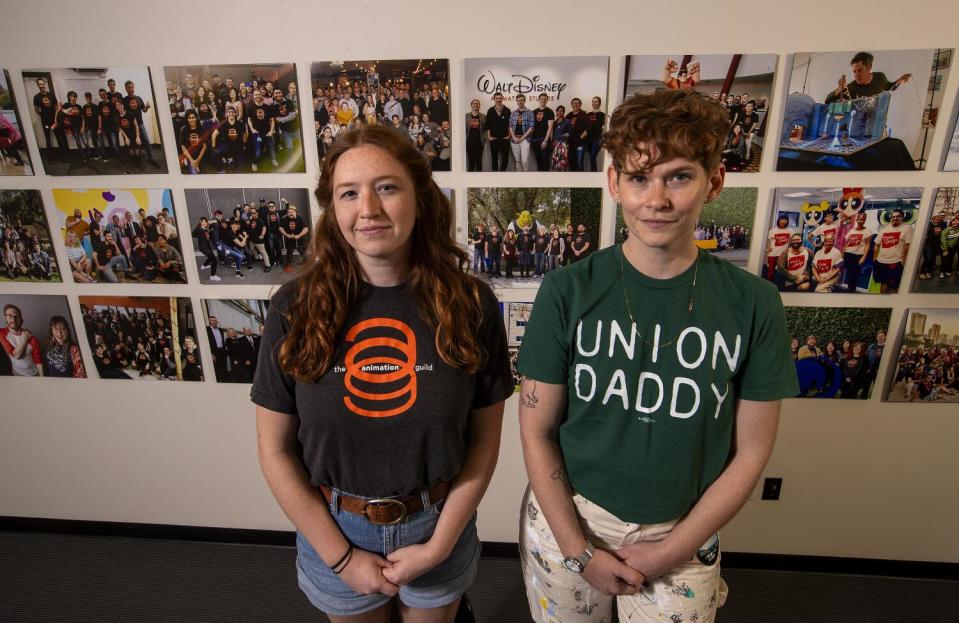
{"x":380,"y":387}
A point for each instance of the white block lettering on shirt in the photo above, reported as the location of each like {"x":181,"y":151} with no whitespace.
{"x":581,"y":367}
{"x":678,"y":382}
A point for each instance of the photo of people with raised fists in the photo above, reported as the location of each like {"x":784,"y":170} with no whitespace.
{"x":95,"y":121}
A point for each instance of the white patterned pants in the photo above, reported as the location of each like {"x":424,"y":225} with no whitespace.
{"x":521,"y":155}
{"x":691,"y":593}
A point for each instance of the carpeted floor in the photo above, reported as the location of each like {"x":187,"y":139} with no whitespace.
{"x":49,"y":578}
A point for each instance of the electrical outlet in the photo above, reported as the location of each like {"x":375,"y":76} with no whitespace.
{"x":772,"y":487}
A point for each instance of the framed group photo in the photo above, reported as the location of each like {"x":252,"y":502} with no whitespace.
{"x":235,"y":118}
{"x":127,"y":235}
{"x":95,"y":120}
{"x":142,"y":338}
{"x":517,"y":235}
{"x":741,"y":83}
{"x":535,"y":114}
{"x":850,"y":240}
{"x":410,"y":96}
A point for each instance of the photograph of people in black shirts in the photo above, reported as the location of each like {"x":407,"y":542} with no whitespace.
{"x":295,"y":231}
{"x":248,"y":116}
{"x":114,"y":244}
{"x":533,"y":230}
{"x":133,"y":338}
{"x":46,"y":106}
{"x":227,"y":143}
{"x":497,"y":133}
{"x":410,"y":96}
{"x":247,"y":231}
{"x":542,"y":139}
{"x":84,"y":133}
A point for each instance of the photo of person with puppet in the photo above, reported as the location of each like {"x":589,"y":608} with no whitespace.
{"x":866,"y":110}
{"x":850,"y":240}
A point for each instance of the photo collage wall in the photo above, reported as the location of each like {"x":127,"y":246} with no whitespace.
{"x":861,"y":110}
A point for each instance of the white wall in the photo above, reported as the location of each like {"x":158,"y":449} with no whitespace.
{"x":863,"y":479}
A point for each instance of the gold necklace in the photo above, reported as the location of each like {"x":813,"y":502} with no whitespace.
{"x":689,"y":309}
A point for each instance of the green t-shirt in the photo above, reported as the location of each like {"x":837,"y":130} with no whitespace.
{"x":646,"y":431}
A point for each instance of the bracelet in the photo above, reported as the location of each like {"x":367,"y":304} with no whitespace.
{"x":343,"y":566}
{"x":343,"y":559}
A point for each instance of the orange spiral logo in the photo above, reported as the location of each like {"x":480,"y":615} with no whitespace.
{"x":404,"y":367}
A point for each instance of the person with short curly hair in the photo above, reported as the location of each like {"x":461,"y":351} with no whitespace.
{"x":652,"y":378}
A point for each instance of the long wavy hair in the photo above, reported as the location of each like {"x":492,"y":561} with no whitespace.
{"x":446,"y":297}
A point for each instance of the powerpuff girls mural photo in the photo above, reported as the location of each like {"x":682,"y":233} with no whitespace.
{"x":853,"y":240}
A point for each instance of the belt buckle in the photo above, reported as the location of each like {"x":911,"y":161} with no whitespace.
{"x":385,"y":502}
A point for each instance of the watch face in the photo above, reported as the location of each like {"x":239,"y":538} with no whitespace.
{"x":573,"y":565}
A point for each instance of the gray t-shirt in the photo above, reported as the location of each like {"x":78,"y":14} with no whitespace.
{"x":390,"y":416}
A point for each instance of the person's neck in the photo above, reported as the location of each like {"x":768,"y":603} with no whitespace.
{"x":660,"y":263}
{"x":385,"y":273}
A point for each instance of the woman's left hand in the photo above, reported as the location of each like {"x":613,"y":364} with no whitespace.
{"x":409,"y":563}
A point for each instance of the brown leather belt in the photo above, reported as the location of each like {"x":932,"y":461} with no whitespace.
{"x":386,"y":511}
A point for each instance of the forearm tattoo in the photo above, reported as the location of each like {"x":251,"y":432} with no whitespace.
{"x":560,"y":474}
{"x":528,"y":393}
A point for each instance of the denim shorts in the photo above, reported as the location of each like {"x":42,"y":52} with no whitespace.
{"x":438,"y":587}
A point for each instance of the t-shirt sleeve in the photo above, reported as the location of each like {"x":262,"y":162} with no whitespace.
{"x":494,"y":381}
{"x":768,"y":372}
{"x":273,"y":389}
{"x":544,"y":353}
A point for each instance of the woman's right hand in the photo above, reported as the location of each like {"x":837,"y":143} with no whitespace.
{"x":364,"y":574}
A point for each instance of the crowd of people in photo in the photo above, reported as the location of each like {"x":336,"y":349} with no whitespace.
{"x":25,"y":254}
{"x":528,"y":251}
{"x":831,"y":257}
{"x":853,"y":362}
{"x":58,"y":355}
{"x":742,"y":109}
{"x":141,"y":248}
{"x":420,"y":112}
{"x":727,"y":238}
{"x":223,"y":126}
{"x":557,"y":140}
{"x":261,"y":232}
{"x":940,"y":246}
{"x":129,"y":343}
{"x":112,"y":127}
{"x":927,"y":372}
{"x":235,"y":351}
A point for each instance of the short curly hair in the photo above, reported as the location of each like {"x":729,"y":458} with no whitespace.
{"x":667,"y":124}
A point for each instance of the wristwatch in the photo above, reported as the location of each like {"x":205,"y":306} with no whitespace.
{"x":577,"y":564}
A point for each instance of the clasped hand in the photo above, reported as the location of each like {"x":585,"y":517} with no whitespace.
{"x":625,"y":571}
{"x":369,"y":573}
